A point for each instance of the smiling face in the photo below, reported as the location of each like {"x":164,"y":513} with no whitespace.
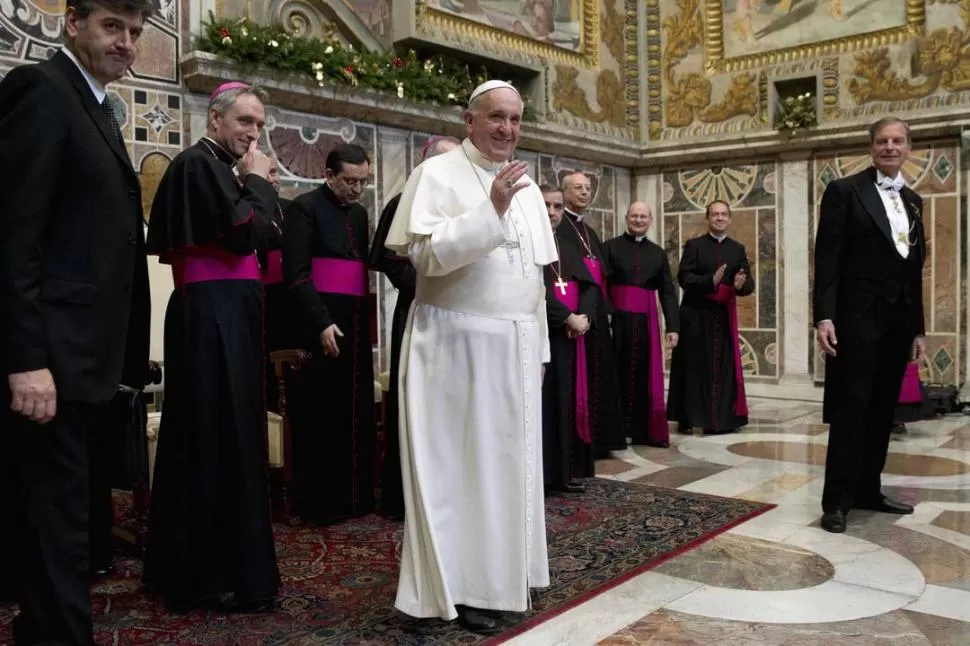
{"x":718,"y":218}
{"x":577,"y":191}
{"x":239,"y":124}
{"x":104,"y":40}
{"x":890,"y":147}
{"x":638,"y":219}
{"x":492,"y":121}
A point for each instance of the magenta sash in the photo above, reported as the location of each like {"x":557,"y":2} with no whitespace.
{"x":339,"y":276}
{"x":726,"y":296}
{"x":637,"y":300}
{"x":274,"y":268}
{"x":596,"y":270}
{"x":909,"y":392}
{"x":205,"y":264}
{"x":571,"y":300}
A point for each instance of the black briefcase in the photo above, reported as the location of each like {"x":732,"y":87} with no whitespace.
{"x":941,"y":399}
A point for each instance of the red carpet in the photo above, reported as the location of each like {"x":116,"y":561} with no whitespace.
{"x":340,"y":581}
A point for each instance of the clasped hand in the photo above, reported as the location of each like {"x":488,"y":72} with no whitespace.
{"x":576,"y":325}
{"x":739,"y":277}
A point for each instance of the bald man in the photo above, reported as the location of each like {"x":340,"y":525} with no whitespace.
{"x":640,"y":272}
{"x":400,"y":272}
{"x":605,"y":416}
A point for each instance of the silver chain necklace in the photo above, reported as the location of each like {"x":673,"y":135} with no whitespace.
{"x":509,"y":244}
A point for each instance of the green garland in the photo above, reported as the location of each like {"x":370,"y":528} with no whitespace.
{"x":438,"y":80}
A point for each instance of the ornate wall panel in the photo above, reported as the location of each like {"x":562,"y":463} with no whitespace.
{"x":933,"y":172}
{"x":751,"y":191}
{"x":719,"y":60}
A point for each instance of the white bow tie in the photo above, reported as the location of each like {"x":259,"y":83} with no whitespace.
{"x":895,"y":184}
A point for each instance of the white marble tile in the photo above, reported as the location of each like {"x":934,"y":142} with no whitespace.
{"x":943,"y":602}
{"x":607,"y":613}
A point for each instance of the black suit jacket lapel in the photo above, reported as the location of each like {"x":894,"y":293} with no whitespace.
{"x":865,"y":186}
{"x":70,"y":71}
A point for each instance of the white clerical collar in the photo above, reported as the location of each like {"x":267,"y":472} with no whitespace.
{"x":478,"y":158}
{"x":579,"y":216}
{"x":96,"y":88}
{"x":639,"y":238}
{"x":719,"y":238}
{"x":883,"y":181}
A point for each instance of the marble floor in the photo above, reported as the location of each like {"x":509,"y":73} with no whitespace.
{"x":779,"y":579}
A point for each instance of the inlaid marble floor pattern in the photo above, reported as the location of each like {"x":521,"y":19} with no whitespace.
{"x":779,"y":579}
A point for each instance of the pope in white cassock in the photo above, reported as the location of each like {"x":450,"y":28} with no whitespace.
{"x":475,"y":227}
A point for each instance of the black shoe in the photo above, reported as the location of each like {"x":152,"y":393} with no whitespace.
{"x":658,"y":445}
{"x":478,"y":621}
{"x":574,"y":487}
{"x":886,"y":506}
{"x":833,"y":521}
{"x":899,"y":429}
{"x":103,"y":572}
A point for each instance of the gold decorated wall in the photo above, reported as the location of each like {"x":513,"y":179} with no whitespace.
{"x":713,"y":66}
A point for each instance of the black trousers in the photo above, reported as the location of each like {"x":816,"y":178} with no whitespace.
{"x":62,"y":513}
{"x":867,"y":377}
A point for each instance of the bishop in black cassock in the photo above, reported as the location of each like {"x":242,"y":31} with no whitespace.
{"x":639,"y":273}
{"x":604,"y":389}
{"x":572,"y":296}
{"x":400,"y":272}
{"x":706,"y":383}
{"x":332,"y":407}
{"x":210,"y":539}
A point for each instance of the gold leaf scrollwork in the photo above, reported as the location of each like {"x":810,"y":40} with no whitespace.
{"x":689,"y":96}
{"x":942,"y":59}
{"x":612,"y":30}
{"x":610,"y":94}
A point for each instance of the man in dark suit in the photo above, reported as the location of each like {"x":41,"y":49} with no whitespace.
{"x":75,"y":302}
{"x":869,"y":254}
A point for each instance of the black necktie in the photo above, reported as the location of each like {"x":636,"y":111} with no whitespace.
{"x":112,"y":120}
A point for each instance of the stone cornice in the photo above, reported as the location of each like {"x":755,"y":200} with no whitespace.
{"x":203,"y":72}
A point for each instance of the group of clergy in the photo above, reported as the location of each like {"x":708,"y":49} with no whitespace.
{"x":218,"y":202}
{"x":605,"y":383}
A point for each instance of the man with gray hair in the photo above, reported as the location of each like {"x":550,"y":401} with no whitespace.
{"x":210,"y":541}
{"x":76,"y":310}
{"x":869,"y":253}
{"x":400,"y":272}
{"x":474,"y":350}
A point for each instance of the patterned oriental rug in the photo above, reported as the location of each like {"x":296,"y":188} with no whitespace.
{"x":340,"y":581}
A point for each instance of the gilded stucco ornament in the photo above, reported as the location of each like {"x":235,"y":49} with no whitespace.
{"x":942,"y":61}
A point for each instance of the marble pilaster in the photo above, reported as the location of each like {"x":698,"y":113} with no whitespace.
{"x":797,"y":227}
{"x":962,"y":293}
{"x":393,"y":156}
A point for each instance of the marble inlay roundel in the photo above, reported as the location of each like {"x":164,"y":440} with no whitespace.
{"x":896,"y":463}
{"x":746,"y":563}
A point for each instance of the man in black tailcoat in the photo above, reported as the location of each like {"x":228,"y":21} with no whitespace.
{"x":868,"y":311}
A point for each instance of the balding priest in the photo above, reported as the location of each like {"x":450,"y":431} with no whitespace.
{"x":475,"y":227}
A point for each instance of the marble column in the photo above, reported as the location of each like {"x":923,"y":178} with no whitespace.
{"x":797,"y":227}
{"x":963,"y":343}
{"x":394,"y":162}
{"x":624,"y":197}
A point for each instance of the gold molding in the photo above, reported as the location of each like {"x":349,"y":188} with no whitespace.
{"x":631,"y":61}
{"x":588,"y":55}
{"x":716,"y":63}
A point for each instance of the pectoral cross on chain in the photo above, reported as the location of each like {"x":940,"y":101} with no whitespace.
{"x":561,"y":284}
{"x":509,"y":246}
